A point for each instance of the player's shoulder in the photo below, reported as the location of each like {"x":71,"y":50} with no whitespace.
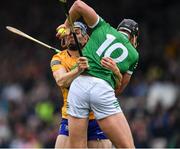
{"x":62,"y":53}
{"x":100,"y":23}
{"x":58,"y":60}
{"x":60,"y":56}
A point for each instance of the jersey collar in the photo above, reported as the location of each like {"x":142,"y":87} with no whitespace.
{"x":125,"y":34}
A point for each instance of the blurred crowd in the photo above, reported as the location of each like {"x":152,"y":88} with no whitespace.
{"x":30,"y":101}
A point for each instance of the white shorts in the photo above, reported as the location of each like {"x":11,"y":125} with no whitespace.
{"x":89,"y":93}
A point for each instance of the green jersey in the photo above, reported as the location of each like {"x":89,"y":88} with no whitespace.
{"x":106,"y":41}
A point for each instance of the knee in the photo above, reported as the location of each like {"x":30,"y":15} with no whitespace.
{"x":125,"y":144}
{"x":73,"y":143}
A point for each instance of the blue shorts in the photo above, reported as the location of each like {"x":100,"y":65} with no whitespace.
{"x":94,"y":131}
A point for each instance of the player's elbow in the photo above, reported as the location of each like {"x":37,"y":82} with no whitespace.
{"x":61,"y":82}
{"x":118,"y":90}
{"x":78,"y":5}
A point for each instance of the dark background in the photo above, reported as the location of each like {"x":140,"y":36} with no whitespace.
{"x":30,"y":99}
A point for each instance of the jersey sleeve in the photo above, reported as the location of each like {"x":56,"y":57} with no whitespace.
{"x":100,"y":21}
{"x":56,"y":63}
{"x":95,"y":24}
{"x":132,"y":67}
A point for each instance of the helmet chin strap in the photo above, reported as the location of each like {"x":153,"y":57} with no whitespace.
{"x":134,"y":41}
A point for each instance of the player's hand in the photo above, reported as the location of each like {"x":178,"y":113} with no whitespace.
{"x":82,"y":64}
{"x":62,"y":31}
{"x":110,"y":64}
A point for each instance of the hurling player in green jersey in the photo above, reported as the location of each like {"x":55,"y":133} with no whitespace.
{"x":94,"y":90}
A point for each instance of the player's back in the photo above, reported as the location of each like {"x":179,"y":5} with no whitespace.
{"x":106,"y":41}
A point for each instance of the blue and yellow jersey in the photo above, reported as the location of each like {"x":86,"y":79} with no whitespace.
{"x":64,"y":60}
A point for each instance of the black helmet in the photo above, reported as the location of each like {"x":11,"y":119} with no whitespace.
{"x":129,"y":25}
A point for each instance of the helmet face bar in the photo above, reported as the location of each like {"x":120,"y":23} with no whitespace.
{"x":129,"y":25}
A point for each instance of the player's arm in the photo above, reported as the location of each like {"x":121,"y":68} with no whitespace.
{"x":110,"y":64}
{"x":124,"y":82}
{"x":118,"y":80}
{"x":126,"y":78}
{"x":64,"y":78}
{"x":121,"y":80}
{"x":81,"y":9}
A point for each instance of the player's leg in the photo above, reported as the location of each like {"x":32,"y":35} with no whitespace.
{"x":96,"y":137}
{"x":62,"y":141}
{"x":105,"y":143}
{"x":110,"y":118}
{"x":62,"y":138}
{"x":77,"y":132}
{"x":117,"y":130}
{"x":78,"y":112}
